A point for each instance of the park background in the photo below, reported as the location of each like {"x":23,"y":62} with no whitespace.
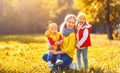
{"x":23,"y":23}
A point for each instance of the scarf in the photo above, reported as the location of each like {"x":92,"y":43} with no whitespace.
{"x":67,"y":31}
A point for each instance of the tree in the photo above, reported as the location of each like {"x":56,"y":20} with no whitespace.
{"x":99,"y":11}
{"x":108,"y":25}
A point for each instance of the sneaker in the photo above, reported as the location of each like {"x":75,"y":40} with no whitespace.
{"x":73,"y":66}
{"x":58,"y":62}
{"x":50,"y":64}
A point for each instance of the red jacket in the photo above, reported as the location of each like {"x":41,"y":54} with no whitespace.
{"x":52,"y":38}
{"x":83,"y":36}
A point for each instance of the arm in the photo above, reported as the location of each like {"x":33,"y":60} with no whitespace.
{"x":60,"y":52}
{"x":61,"y":40}
{"x":89,"y":26}
{"x":83,"y":39}
{"x":71,"y":45}
{"x":49,"y":46}
{"x":51,"y":41}
{"x":57,"y":52}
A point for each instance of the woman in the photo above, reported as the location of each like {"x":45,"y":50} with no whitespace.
{"x":68,"y":45}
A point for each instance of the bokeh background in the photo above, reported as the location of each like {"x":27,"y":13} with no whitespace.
{"x":33,"y":16}
{"x":22,"y":39}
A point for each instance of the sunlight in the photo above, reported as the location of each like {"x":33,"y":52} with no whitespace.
{"x":17,"y":4}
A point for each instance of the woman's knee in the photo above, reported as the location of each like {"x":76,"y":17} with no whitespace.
{"x":66,"y":60}
{"x":44,"y":57}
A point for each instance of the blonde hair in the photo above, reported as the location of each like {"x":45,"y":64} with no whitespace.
{"x":79,"y":15}
{"x":50,"y":27}
{"x":69,"y":16}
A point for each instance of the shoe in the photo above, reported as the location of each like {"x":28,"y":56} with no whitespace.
{"x":58,"y":62}
{"x":50,"y":64}
{"x":73,"y":66}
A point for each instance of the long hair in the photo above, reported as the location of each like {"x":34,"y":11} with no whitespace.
{"x":69,"y":16}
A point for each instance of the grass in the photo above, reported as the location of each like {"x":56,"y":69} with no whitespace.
{"x":23,"y":54}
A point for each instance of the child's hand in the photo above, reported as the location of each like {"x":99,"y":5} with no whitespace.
{"x":58,"y":43}
{"x":53,"y":52}
{"x":77,"y":46}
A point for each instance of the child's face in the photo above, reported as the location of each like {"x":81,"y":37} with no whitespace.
{"x":70,"y":23}
{"x":81,"y":20}
{"x":54,"y":30}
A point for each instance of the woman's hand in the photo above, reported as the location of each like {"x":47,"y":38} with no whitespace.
{"x":53,"y":52}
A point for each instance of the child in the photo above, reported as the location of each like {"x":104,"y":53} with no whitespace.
{"x":55,"y":39}
{"x":83,"y":39}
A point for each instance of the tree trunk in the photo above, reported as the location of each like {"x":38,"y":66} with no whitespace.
{"x":108,"y":25}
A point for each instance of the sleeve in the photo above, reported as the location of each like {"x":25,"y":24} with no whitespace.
{"x":89,"y":26}
{"x":51,"y":41}
{"x":49,"y":46}
{"x":71,"y":44}
{"x":83,"y":39}
{"x":47,"y":33}
{"x":61,"y":38}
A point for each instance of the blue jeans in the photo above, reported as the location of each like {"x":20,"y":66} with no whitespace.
{"x":85,"y":58}
{"x":66,"y":61}
{"x":49,"y":58}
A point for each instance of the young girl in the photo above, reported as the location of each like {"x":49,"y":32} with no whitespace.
{"x":83,"y":39}
{"x":54,"y":41}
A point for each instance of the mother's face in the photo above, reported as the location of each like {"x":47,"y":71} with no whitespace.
{"x":70,"y":23}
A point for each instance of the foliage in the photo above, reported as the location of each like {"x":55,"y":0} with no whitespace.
{"x":96,"y":10}
{"x":33,"y":16}
{"x":23,"y":54}
{"x":101,"y":12}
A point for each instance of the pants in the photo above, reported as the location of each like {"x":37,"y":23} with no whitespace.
{"x":66,"y":61}
{"x":85,"y":58}
{"x":50,"y":56}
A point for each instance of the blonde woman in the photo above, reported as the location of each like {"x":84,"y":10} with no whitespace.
{"x":68,"y":45}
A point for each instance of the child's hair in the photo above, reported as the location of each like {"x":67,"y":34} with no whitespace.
{"x":69,"y":16}
{"x":81,"y":14}
{"x":50,"y":27}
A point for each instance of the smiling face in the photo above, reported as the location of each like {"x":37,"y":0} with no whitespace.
{"x":70,"y":23}
{"x":81,"y":20}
